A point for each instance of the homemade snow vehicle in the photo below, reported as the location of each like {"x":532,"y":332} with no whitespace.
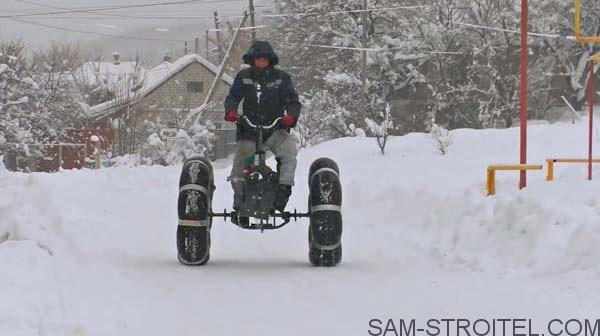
{"x":196,"y":188}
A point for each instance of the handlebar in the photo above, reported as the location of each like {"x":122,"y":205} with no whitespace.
{"x":251,"y":124}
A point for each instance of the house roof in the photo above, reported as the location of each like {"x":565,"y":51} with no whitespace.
{"x":108,"y":73}
{"x":153,"y":79}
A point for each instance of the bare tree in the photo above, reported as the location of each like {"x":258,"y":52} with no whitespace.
{"x":440,"y":138}
{"x":380,"y":126}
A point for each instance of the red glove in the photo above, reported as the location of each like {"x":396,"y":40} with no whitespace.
{"x":288,"y":121}
{"x":232,"y":116}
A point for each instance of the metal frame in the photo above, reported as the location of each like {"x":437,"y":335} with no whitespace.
{"x":595,"y":59}
{"x":550,"y":165}
{"x":491,"y":174}
{"x":265,"y":225}
{"x":260,"y":161}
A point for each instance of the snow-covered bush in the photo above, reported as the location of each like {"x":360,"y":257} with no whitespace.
{"x":175,"y":150}
{"x":38,"y":103}
{"x":127,"y":160}
{"x":318,"y":116}
{"x":153,"y":150}
{"x":379,"y":126}
{"x":357,"y":131}
{"x":440,"y":138}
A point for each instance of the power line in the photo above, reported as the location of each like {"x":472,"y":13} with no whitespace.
{"x":123,"y":37}
{"x":95,"y":11}
{"x":347,"y":11}
{"x":86,"y":11}
{"x":368,"y":49}
{"x":109,"y":8}
{"x":62,"y":8}
{"x":470,"y":25}
{"x":127,"y":17}
{"x":327,"y":46}
{"x":234,"y":29}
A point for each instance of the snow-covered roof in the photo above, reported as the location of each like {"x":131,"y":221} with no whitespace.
{"x":110,"y":74}
{"x":154,"y":78}
{"x":160,"y":74}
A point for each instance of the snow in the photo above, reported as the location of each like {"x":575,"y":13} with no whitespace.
{"x":31,"y":82}
{"x":154,"y":140}
{"x":3,"y":67}
{"x":113,"y":75}
{"x":92,"y":252}
{"x":336,"y":78}
{"x":22,"y":100}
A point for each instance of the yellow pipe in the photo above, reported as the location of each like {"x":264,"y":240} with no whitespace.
{"x":551,"y":162}
{"x":578,"y":36}
{"x":491,"y":182}
{"x":517,"y":167}
{"x":595,"y":58}
{"x":550,"y":176}
{"x":578,"y":20}
{"x":491,"y":174}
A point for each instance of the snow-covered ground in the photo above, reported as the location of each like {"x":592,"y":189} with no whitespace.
{"x":93,"y":252}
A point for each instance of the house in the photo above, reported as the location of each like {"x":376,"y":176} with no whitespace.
{"x":165,"y":96}
{"x":115,"y":76}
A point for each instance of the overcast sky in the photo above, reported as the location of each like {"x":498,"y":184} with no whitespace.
{"x":145,"y":25}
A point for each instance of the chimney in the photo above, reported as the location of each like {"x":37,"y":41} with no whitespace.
{"x":167,"y":58}
{"x":116,"y":58}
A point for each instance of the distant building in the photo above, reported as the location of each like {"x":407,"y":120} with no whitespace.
{"x":115,"y":77}
{"x":165,"y":95}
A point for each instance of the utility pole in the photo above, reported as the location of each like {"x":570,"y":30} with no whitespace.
{"x":252,"y":19}
{"x":207,"y":46}
{"x":217,"y":79}
{"x":363,"y":97}
{"x":185,"y":48}
{"x":197,"y":46}
{"x":219,"y":36}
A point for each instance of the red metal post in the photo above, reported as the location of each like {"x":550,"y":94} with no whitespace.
{"x":524,"y":67}
{"x":591,"y":93}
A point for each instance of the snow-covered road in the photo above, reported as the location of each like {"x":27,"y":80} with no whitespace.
{"x":93,"y":252}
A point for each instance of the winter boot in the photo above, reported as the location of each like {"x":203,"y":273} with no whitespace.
{"x":238,"y":200}
{"x":283,"y":195}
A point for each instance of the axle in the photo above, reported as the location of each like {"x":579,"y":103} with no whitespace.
{"x":263,"y":225}
{"x":284,"y":215}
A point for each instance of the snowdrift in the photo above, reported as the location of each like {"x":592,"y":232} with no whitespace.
{"x":93,"y":252}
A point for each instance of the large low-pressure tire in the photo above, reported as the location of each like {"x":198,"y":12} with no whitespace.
{"x":196,"y":186}
{"x":325,"y":201}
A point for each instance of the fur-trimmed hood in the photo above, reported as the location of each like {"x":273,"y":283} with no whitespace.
{"x":261,"y":49}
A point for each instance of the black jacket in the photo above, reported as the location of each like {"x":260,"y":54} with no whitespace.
{"x":277,"y":93}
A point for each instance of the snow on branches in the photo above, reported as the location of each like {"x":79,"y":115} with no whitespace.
{"x":37,"y":103}
{"x":380,"y":127}
{"x":440,"y":138}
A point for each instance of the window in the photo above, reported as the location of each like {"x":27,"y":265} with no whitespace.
{"x":195,"y":87}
